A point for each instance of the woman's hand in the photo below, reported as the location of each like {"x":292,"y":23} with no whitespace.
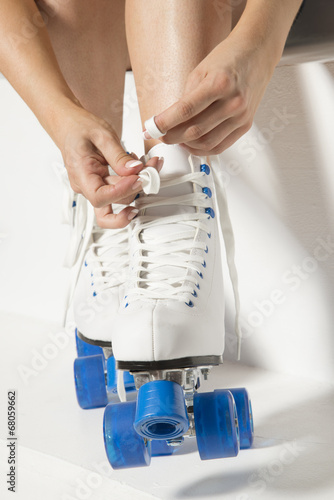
{"x":220,"y":100}
{"x":88,"y":145}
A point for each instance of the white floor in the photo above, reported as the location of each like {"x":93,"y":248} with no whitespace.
{"x":61,"y":453}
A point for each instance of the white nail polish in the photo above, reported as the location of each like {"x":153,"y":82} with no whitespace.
{"x":133,"y":164}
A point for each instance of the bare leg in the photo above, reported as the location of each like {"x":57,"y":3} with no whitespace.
{"x":166,"y":41}
{"x":90,"y":44}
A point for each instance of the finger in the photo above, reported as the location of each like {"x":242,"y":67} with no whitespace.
{"x":106,"y":219}
{"x":154,"y":162}
{"x":186,"y":108}
{"x":208,"y":141}
{"x":100,"y":193}
{"x":111,"y":149}
{"x":206,"y":121}
{"x":223,"y":145}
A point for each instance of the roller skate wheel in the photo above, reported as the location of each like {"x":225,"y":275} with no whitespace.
{"x":161,"y":410}
{"x":124,"y":447}
{"x":90,"y":382}
{"x":216,"y":425}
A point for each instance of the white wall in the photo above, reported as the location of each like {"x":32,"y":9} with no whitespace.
{"x":280,"y":184}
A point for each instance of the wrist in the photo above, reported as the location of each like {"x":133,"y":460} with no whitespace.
{"x":56,"y":115}
{"x":264,"y":27}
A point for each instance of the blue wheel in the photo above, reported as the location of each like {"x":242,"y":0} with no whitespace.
{"x":245,"y":417}
{"x":90,"y":382}
{"x":85,"y":349}
{"x":216,"y":425}
{"x":129,"y":382}
{"x":161,"y":410}
{"x":124,"y":447}
{"x":160,"y":448}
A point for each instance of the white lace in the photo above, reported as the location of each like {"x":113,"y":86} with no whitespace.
{"x":108,"y":274}
{"x":179,"y":249}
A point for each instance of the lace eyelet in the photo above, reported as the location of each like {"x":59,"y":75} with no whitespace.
{"x":189,"y":304}
{"x":204,"y":263}
{"x":210,"y":211}
{"x":194,"y":293}
{"x":200,"y":275}
{"x":206,"y":249}
{"x":207,"y":191}
{"x":205,"y":168}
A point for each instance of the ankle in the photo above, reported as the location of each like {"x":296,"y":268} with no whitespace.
{"x":148,"y":144}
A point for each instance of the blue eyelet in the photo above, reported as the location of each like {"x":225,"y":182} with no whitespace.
{"x":206,"y":250}
{"x":74,"y":204}
{"x":207,"y":191}
{"x":204,"y":264}
{"x":94,"y":294}
{"x":92,"y":283}
{"x":194,"y":293}
{"x":209,"y":235}
{"x":200,"y":275}
{"x":197,"y":284}
{"x":210,"y":211}
{"x":86,"y":263}
{"x":205,"y":168}
{"x":91,"y":274}
{"x":137,"y":196}
{"x":126,"y":305}
{"x":190,"y":304}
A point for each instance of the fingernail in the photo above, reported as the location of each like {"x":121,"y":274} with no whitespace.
{"x":160,"y":163}
{"x":133,"y":164}
{"x":133,"y":214}
{"x":146,"y":135}
{"x":137,"y":184}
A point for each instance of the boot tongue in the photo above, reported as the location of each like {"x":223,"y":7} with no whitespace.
{"x":176,"y":164}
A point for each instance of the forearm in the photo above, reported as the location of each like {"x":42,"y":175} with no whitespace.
{"x":28,"y":61}
{"x":266,"y":24}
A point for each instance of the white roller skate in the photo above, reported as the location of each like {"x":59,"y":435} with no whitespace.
{"x":169,"y":328}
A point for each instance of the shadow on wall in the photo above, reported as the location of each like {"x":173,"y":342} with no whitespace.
{"x":280,"y":183}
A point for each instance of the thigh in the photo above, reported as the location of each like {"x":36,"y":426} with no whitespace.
{"x":89,"y":40}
